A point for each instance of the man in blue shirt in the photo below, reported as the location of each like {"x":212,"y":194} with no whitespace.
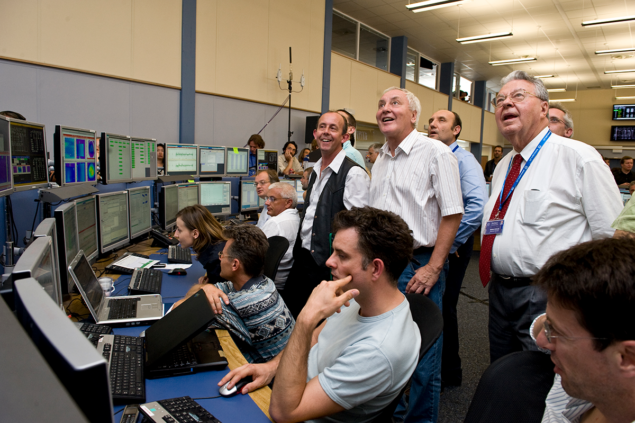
{"x":255,"y":143}
{"x":445,"y":126}
{"x":350,"y":151}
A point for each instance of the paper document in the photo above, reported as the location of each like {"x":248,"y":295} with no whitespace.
{"x":134,"y":262}
{"x":171,"y":266}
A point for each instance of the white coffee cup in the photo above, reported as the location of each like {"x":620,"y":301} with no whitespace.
{"x":107,"y":285}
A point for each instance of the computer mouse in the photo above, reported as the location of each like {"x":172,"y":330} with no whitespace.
{"x":236,"y":389}
{"x":177,"y":272}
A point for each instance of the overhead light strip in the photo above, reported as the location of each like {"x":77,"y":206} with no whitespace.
{"x":627,"y":97}
{"x":616,"y":51}
{"x":620,"y":71}
{"x":623,"y":86}
{"x":483,"y":38}
{"x":562,"y":100}
{"x":545,"y":76}
{"x":609,"y":21}
{"x":424,"y":6}
{"x":556,"y":90}
{"x":512,"y":61}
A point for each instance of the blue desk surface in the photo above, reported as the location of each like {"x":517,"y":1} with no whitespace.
{"x":239,"y":408}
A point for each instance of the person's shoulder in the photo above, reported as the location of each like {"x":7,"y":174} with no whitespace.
{"x":574,"y":147}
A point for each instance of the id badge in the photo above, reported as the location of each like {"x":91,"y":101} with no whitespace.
{"x":494,"y":227}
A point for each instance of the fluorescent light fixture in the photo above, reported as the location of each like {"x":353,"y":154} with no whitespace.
{"x":628,"y":97}
{"x":487,"y":37}
{"x":545,"y":76}
{"x":424,"y":6}
{"x":623,"y":86}
{"x":616,"y":51}
{"x":609,"y":21}
{"x":562,"y":100}
{"x":556,"y":90}
{"x":620,"y":71}
{"x":512,"y":61}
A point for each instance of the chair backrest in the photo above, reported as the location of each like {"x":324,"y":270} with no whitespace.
{"x":513,"y":389}
{"x":429,"y":319}
{"x":278,"y":245}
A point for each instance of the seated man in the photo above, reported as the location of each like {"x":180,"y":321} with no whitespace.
{"x":263,"y":179}
{"x":248,"y":306}
{"x":284,"y":221}
{"x":589,"y":331}
{"x":357,"y":361}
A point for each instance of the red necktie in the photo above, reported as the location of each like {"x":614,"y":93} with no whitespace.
{"x":484,"y":265}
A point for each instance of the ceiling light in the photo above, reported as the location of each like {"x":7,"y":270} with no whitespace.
{"x":562,"y":100}
{"x":424,"y":6}
{"x":512,"y":61}
{"x":628,"y":97}
{"x":623,"y":86}
{"x":545,"y":76}
{"x":620,"y":71}
{"x":609,"y":21}
{"x":487,"y":37}
{"x":556,"y":90}
{"x":615,"y":51}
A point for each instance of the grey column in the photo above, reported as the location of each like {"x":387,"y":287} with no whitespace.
{"x":326,"y":60}
{"x":398,"y":52}
{"x":445,"y":81}
{"x":480,"y":99}
{"x":188,"y":73}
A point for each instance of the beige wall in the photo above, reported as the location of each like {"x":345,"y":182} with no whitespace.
{"x":431,"y":101}
{"x":471,"y":118}
{"x":491,"y":135}
{"x":240,"y":46}
{"x":138,"y":39}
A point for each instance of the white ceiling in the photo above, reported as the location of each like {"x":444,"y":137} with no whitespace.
{"x":551,"y":30}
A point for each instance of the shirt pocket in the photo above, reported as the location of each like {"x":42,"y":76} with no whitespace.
{"x":535,"y":204}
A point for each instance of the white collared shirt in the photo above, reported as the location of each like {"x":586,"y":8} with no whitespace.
{"x":567,"y":196}
{"x":355,"y":192}
{"x":262,"y":219}
{"x":285,"y":224}
{"x":421,"y":184}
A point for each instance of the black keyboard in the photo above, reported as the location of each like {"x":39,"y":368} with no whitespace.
{"x":125,"y":308}
{"x":183,"y":356}
{"x":179,"y":255}
{"x":125,"y":360}
{"x":87,"y":328}
{"x":145,"y":281}
{"x":183,"y":409}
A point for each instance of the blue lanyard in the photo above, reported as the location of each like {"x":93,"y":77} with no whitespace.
{"x":455,"y":148}
{"x":522,"y":172}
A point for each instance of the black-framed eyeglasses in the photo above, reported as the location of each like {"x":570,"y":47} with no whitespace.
{"x":553,"y":119}
{"x":220,"y":255}
{"x":549,"y":333}
{"x":517,"y":96}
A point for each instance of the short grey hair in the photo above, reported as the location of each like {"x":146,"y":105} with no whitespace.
{"x":377,"y":146}
{"x":568,"y":122}
{"x":287,"y":191}
{"x":539,"y":86}
{"x":413,"y":102}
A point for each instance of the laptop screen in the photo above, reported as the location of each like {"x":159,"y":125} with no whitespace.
{"x":86,"y":277}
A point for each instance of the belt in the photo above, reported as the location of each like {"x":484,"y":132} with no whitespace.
{"x":511,"y":281}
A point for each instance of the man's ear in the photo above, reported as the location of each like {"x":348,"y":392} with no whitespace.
{"x":627,"y":362}
{"x":378,"y":268}
{"x":236,"y":265}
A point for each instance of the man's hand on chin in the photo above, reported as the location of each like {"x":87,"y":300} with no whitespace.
{"x":327,"y":298}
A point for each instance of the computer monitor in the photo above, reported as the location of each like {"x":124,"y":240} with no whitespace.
{"x":216,"y":197}
{"x":267,"y":159}
{"x":188,"y":195}
{"x":112,"y":214}
{"x":67,"y":242}
{"x":140,"y":211}
{"x":38,"y":262}
{"x":248,"y":196}
{"x":144,"y":159}
{"x":115,"y":158}
{"x":6,"y":180}
{"x":168,"y":206}
{"x":86,"y":210}
{"x":28,"y":155}
{"x":72,"y":357}
{"x":211,"y":160}
{"x":261,"y":202}
{"x":75,"y":152}
{"x":181,"y":159}
{"x":237,"y":161}
{"x":299,"y":192}
{"x":48,"y":228}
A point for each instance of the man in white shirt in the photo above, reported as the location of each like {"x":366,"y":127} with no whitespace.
{"x":560,"y":122}
{"x":558,"y":193}
{"x":418,"y":179}
{"x":284,"y":221}
{"x":263,"y":179}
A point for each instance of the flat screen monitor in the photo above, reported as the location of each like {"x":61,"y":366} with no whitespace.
{"x":115,"y":158}
{"x":188,"y":195}
{"x":6,"y":180}
{"x":624,"y":112}
{"x":261,"y":202}
{"x":75,"y":156}
{"x":28,"y":155}
{"x":622,"y":133}
{"x":168,"y":206}
{"x":237,"y":161}
{"x":299,"y":192}
{"x":86,"y":209}
{"x":144,"y":159}
{"x":113,"y":227}
{"x":267,"y":159}
{"x":248,"y":196}
{"x":38,"y":262}
{"x":216,"y":197}
{"x":72,"y":357}
{"x":181,"y":159}
{"x":140,"y":211}
{"x":211,"y":160}
{"x":67,"y":242}
{"x":47,"y":227}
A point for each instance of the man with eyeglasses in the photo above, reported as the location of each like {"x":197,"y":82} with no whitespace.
{"x":548,"y":194}
{"x":588,"y":330}
{"x":560,"y":122}
{"x":263,"y":179}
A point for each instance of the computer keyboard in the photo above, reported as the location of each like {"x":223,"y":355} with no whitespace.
{"x":125,"y":363}
{"x":125,"y":308}
{"x":145,"y":281}
{"x":179,"y":255}
{"x":87,"y":328}
{"x":182,"y":409}
{"x":183,"y":356}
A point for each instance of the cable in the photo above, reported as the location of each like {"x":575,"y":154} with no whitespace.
{"x":202,"y":398}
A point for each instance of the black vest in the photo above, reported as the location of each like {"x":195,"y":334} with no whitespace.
{"x":330,"y":203}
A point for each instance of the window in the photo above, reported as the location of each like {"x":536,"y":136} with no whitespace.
{"x":421,"y":70}
{"x":373,"y":48}
{"x":462,"y":88}
{"x":344,"y":36}
{"x":359,"y":42}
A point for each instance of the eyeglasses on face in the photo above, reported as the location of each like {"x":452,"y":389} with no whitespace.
{"x":517,"y":96}
{"x":261,"y":183}
{"x":549,"y":333}
{"x":553,"y":119}
{"x":220,"y":255}
{"x":272,"y":199}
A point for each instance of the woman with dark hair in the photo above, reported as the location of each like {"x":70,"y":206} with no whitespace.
{"x":197,"y":228}
{"x":161,"y":159}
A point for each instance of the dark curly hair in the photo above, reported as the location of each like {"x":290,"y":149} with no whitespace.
{"x":249,"y":247}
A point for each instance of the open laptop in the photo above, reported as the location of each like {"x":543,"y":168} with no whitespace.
{"x":114,"y":311}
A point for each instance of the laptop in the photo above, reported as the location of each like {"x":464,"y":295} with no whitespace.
{"x":135,"y":309}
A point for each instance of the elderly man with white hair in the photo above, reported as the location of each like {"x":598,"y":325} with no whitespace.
{"x":281,"y":200}
{"x":560,"y":121}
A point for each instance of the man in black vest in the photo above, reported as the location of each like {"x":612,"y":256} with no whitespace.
{"x":337,"y":183}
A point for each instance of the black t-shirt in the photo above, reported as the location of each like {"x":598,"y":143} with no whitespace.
{"x":490,"y":166}
{"x":621,"y":177}
{"x":210,"y":261}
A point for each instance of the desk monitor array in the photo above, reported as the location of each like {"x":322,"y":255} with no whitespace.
{"x":115,"y":158}
{"x":144,"y":159}
{"x":216,"y":197}
{"x":248,"y":197}
{"x":168,"y":206}
{"x":113,"y":226}
{"x":86,"y":211}
{"x":6,"y":179}
{"x":237,"y":161}
{"x":67,"y":241}
{"x":188,"y":195}
{"x":212,"y":161}
{"x":48,"y":228}
{"x":267,"y":159}
{"x":181,"y":159}
{"x":75,"y":152}
{"x":140,"y":211}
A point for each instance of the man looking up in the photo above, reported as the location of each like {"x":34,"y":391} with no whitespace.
{"x":560,"y":122}
{"x":548,"y":194}
{"x":263,"y":179}
{"x":255,"y":143}
{"x":446,"y":126}
{"x":373,"y":152}
{"x":348,"y":146}
{"x":490,"y":166}
{"x":624,"y":175}
{"x":418,"y":179}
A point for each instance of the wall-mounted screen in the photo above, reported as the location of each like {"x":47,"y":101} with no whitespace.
{"x":622,"y":133}
{"x":28,"y":155}
{"x":624,"y":112}
{"x":181,"y":159}
{"x":75,"y":156}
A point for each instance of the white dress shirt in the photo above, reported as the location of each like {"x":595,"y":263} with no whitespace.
{"x":285,"y":224}
{"x":421,"y":184}
{"x":355,"y":192}
{"x":567,"y":196}
{"x":262,"y":219}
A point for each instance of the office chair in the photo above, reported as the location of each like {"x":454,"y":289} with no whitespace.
{"x":429,"y":319}
{"x":513,"y":389}
{"x":278,"y":246}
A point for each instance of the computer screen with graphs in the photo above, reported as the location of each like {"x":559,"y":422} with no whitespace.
{"x":28,"y":155}
{"x":86,"y":210}
{"x":216,"y":197}
{"x":144,"y":159}
{"x":181,"y":159}
{"x":168,"y":206}
{"x":211,"y":160}
{"x":188,"y":195}
{"x":112,"y":211}
{"x":75,"y":156}
{"x":67,"y":242}
{"x":6,"y":181}
{"x":248,"y":196}
{"x":140,"y":211}
{"x":115,"y":158}
{"x":237,"y":161}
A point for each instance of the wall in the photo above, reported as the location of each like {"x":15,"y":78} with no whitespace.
{"x":471,"y":118}
{"x":491,"y":135}
{"x":431,"y":101}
